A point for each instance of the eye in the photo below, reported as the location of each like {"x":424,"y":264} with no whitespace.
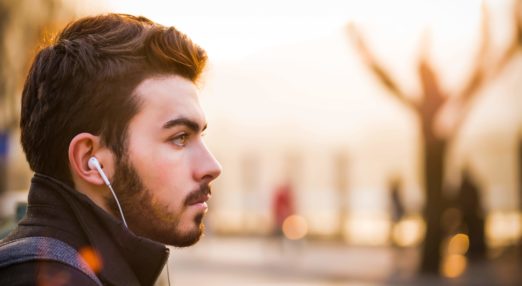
{"x":180,"y":140}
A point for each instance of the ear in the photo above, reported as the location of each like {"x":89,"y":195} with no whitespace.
{"x":82,"y":147}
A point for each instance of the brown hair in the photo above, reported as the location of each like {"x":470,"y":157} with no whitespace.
{"x":84,"y":82}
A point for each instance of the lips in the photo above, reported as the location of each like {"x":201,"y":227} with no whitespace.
{"x":199,"y":197}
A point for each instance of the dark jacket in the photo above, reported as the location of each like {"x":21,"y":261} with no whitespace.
{"x":58,"y":211}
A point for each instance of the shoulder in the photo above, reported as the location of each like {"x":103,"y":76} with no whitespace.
{"x":43,"y":272}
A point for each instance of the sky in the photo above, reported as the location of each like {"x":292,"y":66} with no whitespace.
{"x":232,"y":29}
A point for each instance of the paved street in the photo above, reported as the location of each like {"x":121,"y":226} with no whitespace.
{"x":258,"y":261}
{"x":236,"y":261}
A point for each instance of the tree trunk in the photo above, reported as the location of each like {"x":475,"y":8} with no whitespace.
{"x":434,"y":150}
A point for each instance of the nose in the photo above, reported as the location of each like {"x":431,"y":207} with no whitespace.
{"x":207,"y":167}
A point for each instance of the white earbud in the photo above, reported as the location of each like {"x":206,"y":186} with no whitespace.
{"x":95,"y":164}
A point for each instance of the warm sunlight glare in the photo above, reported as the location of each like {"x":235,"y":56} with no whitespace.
{"x":503,"y":228}
{"x":409,"y":231}
{"x":232,"y":29}
{"x":368,"y":229}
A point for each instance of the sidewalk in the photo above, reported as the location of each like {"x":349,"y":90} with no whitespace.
{"x":264,"y":261}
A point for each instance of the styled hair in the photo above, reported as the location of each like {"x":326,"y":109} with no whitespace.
{"x":84,"y":82}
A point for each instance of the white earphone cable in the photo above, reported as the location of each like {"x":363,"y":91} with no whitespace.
{"x":94,"y":164}
{"x":119,"y":206}
{"x":168,"y":274}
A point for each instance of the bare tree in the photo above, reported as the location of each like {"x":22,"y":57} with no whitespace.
{"x":441,"y":116}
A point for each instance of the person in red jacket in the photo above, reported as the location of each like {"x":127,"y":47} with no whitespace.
{"x":283,"y":206}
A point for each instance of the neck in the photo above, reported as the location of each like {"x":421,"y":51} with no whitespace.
{"x":99,"y":195}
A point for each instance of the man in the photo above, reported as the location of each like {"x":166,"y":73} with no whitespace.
{"x":120,"y":89}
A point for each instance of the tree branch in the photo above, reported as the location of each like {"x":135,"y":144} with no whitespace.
{"x":516,"y":39}
{"x":434,"y":96}
{"x":379,"y":71}
{"x":478,"y":73}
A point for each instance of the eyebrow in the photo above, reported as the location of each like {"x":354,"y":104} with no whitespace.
{"x":192,"y":125}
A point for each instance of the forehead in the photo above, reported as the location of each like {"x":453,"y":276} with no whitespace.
{"x":164,"y":98}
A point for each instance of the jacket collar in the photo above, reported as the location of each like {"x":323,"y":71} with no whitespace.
{"x":127,"y":259}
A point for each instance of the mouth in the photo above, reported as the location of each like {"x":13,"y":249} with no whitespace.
{"x":199,"y":197}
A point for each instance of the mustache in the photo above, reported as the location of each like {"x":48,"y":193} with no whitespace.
{"x":199,"y":195}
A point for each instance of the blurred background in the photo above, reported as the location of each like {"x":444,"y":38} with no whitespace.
{"x":362,"y":142}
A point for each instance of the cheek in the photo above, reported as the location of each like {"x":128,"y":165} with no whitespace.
{"x":165,"y":174}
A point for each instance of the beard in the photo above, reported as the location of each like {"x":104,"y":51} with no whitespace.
{"x":149,"y":217}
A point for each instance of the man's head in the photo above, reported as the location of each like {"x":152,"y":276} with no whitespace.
{"x":122,"y":89}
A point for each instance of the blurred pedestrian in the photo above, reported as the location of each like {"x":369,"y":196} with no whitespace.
{"x":397,"y":207}
{"x":473,"y":215}
{"x":282,"y":206}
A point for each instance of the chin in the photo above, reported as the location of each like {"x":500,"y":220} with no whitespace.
{"x":190,"y":237}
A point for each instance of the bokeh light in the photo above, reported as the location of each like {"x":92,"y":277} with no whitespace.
{"x":458,"y":244}
{"x":454,"y":265}
{"x":409,"y":231}
{"x":92,"y":258}
{"x":295,"y":227}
